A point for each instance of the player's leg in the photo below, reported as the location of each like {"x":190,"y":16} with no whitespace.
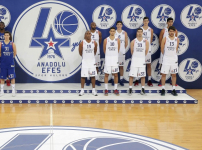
{"x":174,"y":71}
{"x":107,"y":71}
{"x":149,"y":83}
{"x":96,"y":77}
{"x":12,"y":76}
{"x":164,"y":70}
{"x":93,"y":74}
{"x":84,"y":75}
{"x":2,"y":87}
{"x":142,"y":74}
{"x":115,"y":70}
{"x":132,"y":74}
{"x":4,"y":74}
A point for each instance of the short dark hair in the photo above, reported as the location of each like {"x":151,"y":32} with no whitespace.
{"x":9,"y":35}
{"x":171,"y":28}
{"x":169,"y":19}
{"x":2,"y":22}
{"x":139,"y":29}
{"x":112,"y":28}
{"x":119,"y":22}
{"x":146,"y":18}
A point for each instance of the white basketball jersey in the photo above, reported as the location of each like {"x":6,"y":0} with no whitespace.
{"x":138,"y":57}
{"x":121,"y":36}
{"x":111,"y":55}
{"x":147,"y":36}
{"x":88,"y":57}
{"x":95,"y":37}
{"x":170,"y":54}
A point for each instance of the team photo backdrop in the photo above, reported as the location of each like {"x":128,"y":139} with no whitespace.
{"x":47,"y":34}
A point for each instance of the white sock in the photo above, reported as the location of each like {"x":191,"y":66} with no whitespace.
{"x":106,"y":86}
{"x":82,"y":90}
{"x":93,"y":89}
{"x":173,"y":87}
{"x":113,"y":77}
{"x":88,"y":78}
{"x":149,"y":77}
{"x":130,"y":87}
{"x":2,"y":87}
{"x":115,"y":86}
{"x":121,"y":77}
{"x":13,"y":87}
{"x":143,"y":87}
{"x":163,"y":87}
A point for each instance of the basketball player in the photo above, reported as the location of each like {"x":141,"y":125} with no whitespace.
{"x":148,"y":35}
{"x":97,"y":37}
{"x":169,"y":47}
{"x":139,"y":51}
{"x":7,"y":52}
{"x":164,"y":33}
{"x":111,"y":49}
{"x":87,"y":50}
{"x":123,"y":36}
{"x":2,"y":30}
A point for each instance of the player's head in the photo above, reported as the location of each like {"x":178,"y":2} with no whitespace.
{"x":7,"y":36}
{"x":112,"y":31}
{"x":93,"y":25}
{"x":2,"y":25}
{"x":87,"y":35}
{"x":170,"y":22}
{"x":139,"y":32}
{"x":119,"y":24}
{"x":171,"y":31}
{"x":146,"y":21}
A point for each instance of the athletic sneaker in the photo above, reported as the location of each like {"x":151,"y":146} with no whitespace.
{"x":130,"y":91}
{"x":97,"y":83}
{"x":121,"y":82}
{"x":136,"y":83}
{"x":116,"y":92}
{"x":172,"y":84}
{"x":8,"y":82}
{"x":81,"y":93}
{"x":112,"y":82}
{"x":142,"y":92}
{"x":94,"y":93}
{"x":87,"y":82}
{"x":163,"y":92}
{"x":174,"y":93}
{"x":106,"y":92}
{"x":149,"y":83}
{"x":13,"y":93}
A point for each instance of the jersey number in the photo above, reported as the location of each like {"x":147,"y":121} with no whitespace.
{"x":171,"y":43}
{"x":139,"y":44}
{"x":88,"y":46}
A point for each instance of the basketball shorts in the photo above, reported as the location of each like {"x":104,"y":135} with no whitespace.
{"x":137,"y":72}
{"x":88,"y":72}
{"x":172,"y":69}
{"x":122,"y":60}
{"x":97,"y":60}
{"x":161,"y":58}
{"x":148,"y":58}
{"x":8,"y":73}
{"x":111,"y":69}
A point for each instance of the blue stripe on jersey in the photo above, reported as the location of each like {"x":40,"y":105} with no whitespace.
{"x":7,"y":59}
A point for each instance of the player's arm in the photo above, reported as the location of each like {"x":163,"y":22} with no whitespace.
{"x":0,"y":49}
{"x":147,"y":47}
{"x":152,"y":33}
{"x":132,"y":44}
{"x":119,"y":44}
{"x":161,"y":36}
{"x":178,"y":41}
{"x":104,"y":45}
{"x":100,"y":37}
{"x":14,"y":49}
{"x":95,"y":48}
{"x":80,"y":48}
{"x":126,"y":39}
{"x":176,"y":33}
{"x":163,"y":45}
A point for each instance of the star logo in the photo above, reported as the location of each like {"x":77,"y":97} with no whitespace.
{"x":192,"y":17}
{"x":163,"y":18}
{"x":190,"y":71}
{"x":134,"y":18}
{"x":104,"y":18}
{"x":51,"y":44}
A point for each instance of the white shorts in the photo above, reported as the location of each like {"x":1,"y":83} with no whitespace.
{"x":161,"y":58}
{"x":97,"y":60}
{"x":88,"y":72}
{"x":172,"y":69}
{"x":137,"y":72}
{"x":122,"y":60}
{"x":148,"y":58}
{"x":111,"y":69}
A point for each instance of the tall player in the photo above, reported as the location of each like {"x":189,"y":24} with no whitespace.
{"x":87,"y":50}
{"x":7,"y":52}
{"x":2,"y":30}
{"x":123,"y":36}
{"x":139,"y":51}
{"x":97,"y":37}
{"x":164,"y":33}
{"x":148,"y":35}
{"x":169,"y":47}
{"x":111,"y":49}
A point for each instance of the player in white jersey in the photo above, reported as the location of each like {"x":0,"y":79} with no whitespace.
{"x":148,"y":35}
{"x":111,"y":49}
{"x":97,"y":37}
{"x":169,"y":47}
{"x":139,"y":50}
{"x":164,"y":33}
{"x":123,"y":36}
{"x":88,"y":49}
